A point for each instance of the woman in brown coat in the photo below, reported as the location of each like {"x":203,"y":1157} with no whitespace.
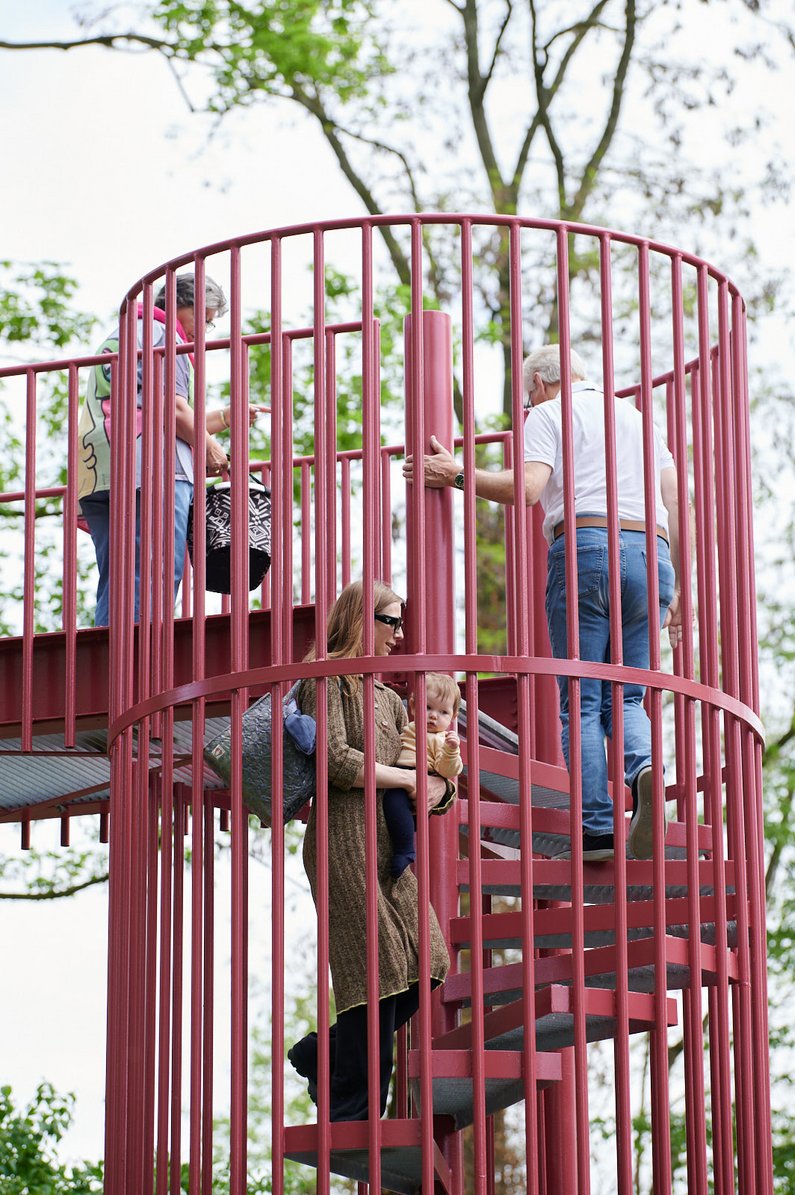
{"x":398,"y":935}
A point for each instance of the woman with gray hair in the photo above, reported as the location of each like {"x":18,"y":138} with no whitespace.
{"x":94,"y":435}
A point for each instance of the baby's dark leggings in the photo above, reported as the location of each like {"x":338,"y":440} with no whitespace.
{"x":399,"y":817}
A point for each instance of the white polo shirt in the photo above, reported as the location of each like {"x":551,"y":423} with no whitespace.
{"x":543,"y":441}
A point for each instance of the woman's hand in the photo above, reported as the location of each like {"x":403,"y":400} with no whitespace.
{"x":436,"y":789}
{"x":408,"y":780}
{"x":216,"y":458}
{"x":218,"y":420}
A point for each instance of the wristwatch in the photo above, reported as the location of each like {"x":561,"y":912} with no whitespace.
{"x":458,"y":481}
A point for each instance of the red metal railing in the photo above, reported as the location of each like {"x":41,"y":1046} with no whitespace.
{"x":602,"y":947}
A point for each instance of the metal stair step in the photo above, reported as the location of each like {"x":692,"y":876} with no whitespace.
{"x":503,"y":1084}
{"x":499,"y":823}
{"x":401,"y":1153}
{"x":504,"y":1032}
{"x":552,"y":928}
{"x":504,"y":984}
{"x":552,"y":878}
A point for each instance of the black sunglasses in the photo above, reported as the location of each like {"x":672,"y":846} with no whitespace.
{"x":390,"y":620}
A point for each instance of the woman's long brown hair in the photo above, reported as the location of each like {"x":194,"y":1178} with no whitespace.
{"x":345,"y":626}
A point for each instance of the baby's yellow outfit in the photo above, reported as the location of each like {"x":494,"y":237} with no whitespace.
{"x":443,"y":759}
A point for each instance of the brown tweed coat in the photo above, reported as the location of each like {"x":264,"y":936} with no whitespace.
{"x":398,"y":939}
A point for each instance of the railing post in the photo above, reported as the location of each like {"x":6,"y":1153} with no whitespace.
{"x":438,"y":601}
{"x":439,"y":595}
{"x":545,"y":712}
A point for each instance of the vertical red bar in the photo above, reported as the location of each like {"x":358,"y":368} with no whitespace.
{"x":285,"y":398}
{"x":725,"y":407}
{"x":265,"y":589}
{"x":122,"y":575}
{"x":208,"y":992}
{"x":749,"y":692}
{"x":386,"y":516}
{"x":29,"y":563}
{"x":122,"y":783}
{"x":151,"y":465}
{"x":616,"y":747}
{"x":150,"y":804}
{"x":661,"y":1134}
{"x":140,"y":1113}
{"x":371,"y":438}
{"x":713,"y":805}
{"x":164,"y":988}
{"x":239,"y":662}
{"x":331,"y":463}
{"x":156,"y":552}
{"x":345,"y":504}
{"x":166,"y":578}
{"x":687,"y":759}
{"x":324,"y":520}
{"x":175,"y":1159}
{"x":281,"y":611}
{"x":70,"y":560}
{"x":520,"y":584}
{"x":306,"y":538}
{"x":199,"y":1027}
{"x":479,"y":1129}
{"x":147,"y":378}
{"x":575,"y":738}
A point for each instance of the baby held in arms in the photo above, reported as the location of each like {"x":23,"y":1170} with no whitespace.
{"x":443,"y":755}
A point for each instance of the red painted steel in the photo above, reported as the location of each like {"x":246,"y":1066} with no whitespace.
{"x":589,"y":935}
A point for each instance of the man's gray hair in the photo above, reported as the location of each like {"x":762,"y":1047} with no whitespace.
{"x":214,"y":297}
{"x":546,"y":361}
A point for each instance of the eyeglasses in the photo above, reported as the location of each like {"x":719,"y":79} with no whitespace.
{"x":390,"y":620}
{"x":209,"y":325}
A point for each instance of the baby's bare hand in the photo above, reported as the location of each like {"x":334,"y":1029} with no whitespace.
{"x":452,"y":739}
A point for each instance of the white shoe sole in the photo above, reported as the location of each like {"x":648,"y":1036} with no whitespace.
{"x":603,"y":855}
{"x":640,"y":839}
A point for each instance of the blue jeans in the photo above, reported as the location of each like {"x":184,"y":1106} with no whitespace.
{"x":596,"y":697}
{"x":96,"y":511}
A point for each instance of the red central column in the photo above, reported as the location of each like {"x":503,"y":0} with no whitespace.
{"x":439,"y":604}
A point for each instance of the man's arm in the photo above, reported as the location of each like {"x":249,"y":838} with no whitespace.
{"x":670,"y":497}
{"x":441,"y":470}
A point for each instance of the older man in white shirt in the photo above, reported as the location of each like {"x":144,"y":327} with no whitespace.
{"x":543,"y":469}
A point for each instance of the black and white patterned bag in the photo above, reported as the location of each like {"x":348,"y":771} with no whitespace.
{"x":219,"y":535}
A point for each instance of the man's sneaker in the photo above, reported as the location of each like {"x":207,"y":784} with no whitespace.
{"x":641,"y":829}
{"x":596,"y":848}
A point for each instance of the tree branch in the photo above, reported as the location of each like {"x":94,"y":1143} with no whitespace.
{"x":331,"y":131}
{"x":109,"y":40}
{"x":524,"y":153}
{"x":583,"y":28}
{"x":496,"y":53}
{"x":476,"y":88}
{"x":543,"y":97}
{"x":389,"y":149}
{"x":589,"y":175}
{"x":579,"y":27}
{"x":56,"y":893}
{"x":434,"y":272}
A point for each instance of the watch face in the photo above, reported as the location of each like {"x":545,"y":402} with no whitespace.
{"x":459,"y":481}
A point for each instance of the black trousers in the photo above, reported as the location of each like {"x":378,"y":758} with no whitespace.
{"x":348,"y":1053}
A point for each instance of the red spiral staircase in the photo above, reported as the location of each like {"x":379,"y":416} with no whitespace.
{"x":549,"y":955}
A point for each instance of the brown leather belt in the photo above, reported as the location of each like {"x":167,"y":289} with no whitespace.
{"x":601,"y":521}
